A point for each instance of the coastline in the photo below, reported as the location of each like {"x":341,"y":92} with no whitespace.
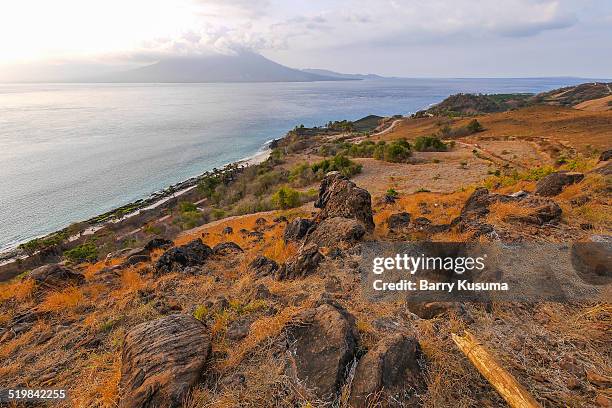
{"x":129,"y":210}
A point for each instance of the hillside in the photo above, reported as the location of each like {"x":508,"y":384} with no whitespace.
{"x":241,"y":67}
{"x":589,"y":96}
{"x":333,"y":74}
{"x":252,"y":290}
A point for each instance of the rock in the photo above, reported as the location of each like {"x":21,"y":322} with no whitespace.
{"x":519,"y":194}
{"x":605,"y":156}
{"x":430,"y":310}
{"x":228,"y":230}
{"x":333,"y":284}
{"x":136,"y":259}
{"x":55,"y":276}
{"x":259,"y":236}
{"x":477,"y":204}
{"x":135,"y":252}
{"x":260,"y":292}
{"x":592,"y":260}
{"x":340,"y":197}
{"x":544,"y":211}
{"x":334,"y":231}
{"x":158,"y":243}
{"x":193,"y":253}
{"x":322,"y":345}
{"x":388,"y":373}
{"x":263,"y":266}
{"x":297,"y":229}
{"x":261,"y":221}
{"x":301,"y":265}
{"x":238,"y":329}
{"x":226,"y":248}
{"x":280,"y":219}
{"x":580,"y":201}
{"x":398,"y":221}
{"x":554,"y":183}
{"x":161,"y":360}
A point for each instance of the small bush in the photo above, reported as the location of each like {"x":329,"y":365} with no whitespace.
{"x":286,"y":197}
{"x":392,"y":193}
{"x":200,"y":312}
{"x":82,"y":253}
{"x":340,"y":163}
{"x":185,"y":206}
{"x":429,"y":144}
{"x":474,"y":126}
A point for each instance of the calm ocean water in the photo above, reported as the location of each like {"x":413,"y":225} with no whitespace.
{"x":71,"y":151}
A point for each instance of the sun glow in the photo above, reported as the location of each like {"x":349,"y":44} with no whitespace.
{"x":61,"y":29}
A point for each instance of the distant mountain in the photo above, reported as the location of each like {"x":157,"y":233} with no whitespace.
{"x":242,"y":67}
{"x":332,"y":74}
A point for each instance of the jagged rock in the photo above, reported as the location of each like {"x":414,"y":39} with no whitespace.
{"x":117,"y":254}
{"x":136,"y":259}
{"x":280,"y":219}
{"x":261,"y":221}
{"x":226,"y":248}
{"x":238,"y":329}
{"x":340,"y":197}
{"x":477,"y":204}
{"x":135,"y":252}
{"x":55,"y":276}
{"x":263,"y":266}
{"x":217,"y":304}
{"x":580,"y":201}
{"x":260,"y":292}
{"x":256,"y":234}
{"x":333,"y":231}
{"x":193,"y":253}
{"x":554,"y":183}
{"x":161,"y":360}
{"x":388,"y":374}
{"x":605,"y":156}
{"x":157,"y":243}
{"x":398,"y":221}
{"x":228,"y":230}
{"x":297,"y":229}
{"x":322,"y":344}
{"x":544,"y":210}
{"x":301,"y":265}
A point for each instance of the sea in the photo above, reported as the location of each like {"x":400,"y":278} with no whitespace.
{"x":69,"y":152}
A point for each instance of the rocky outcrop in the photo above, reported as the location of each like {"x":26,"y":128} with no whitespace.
{"x":176,"y":259}
{"x":322,"y":345}
{"x":297,"y":229}
{"x":227,"y":248}
{"x":335,"y":231}
{"x":389,"y":374}
{"x":263,"y":266}
{"x":304,"y":263}
{"x":340,"y":197}
{"x":554,"y":183}
{"x":605,"y":156}
{"x":158,"y":243}
{"x":55,"y":276}
{"x":161,"y":360}
{"x":398,"y":221}
{"x":543,"y":211}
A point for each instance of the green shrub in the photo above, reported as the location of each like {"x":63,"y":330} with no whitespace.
{"x":200,"y":312}
{"x":474,"y":126}
{"x":340,"y":163}
{"x":392,"y":193}
{"x":302,"y":175}
{"x":185,"y":206}
{"x":286,"y":197}
{"x":83,"y":253}
{"x":429,"y":144}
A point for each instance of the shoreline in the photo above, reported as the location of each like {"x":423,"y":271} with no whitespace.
{"x":131,"y":209}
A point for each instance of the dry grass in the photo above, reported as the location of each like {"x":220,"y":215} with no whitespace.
{"x":503,"y":212}
{"x":64,"y":300}
{"x":19,"y":290}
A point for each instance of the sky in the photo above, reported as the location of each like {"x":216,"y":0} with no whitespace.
{"x":409,"y":38}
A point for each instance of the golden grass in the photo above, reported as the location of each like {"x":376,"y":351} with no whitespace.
{"x":131,"y":281}
{"x":501,"y":212}
{"x":20,"y":290}
{"x":64,"y":300}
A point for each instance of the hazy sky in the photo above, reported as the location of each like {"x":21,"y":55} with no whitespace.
{"x":389,"y":37}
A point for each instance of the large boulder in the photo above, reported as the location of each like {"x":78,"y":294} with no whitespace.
{"x":322,"y":345}
{"x":158,"y":243}
{"x":162,"y":359}
{"x":227,"y":248}
{"x":398,"y":221}
{"x":304,"y":263}
{"x":55,"y":276}
{"x":388,"y":374}
{"x":193,"y":253}
{"x":605,"y":156}
{"x":263,"y":266}
{"x":340,"y":197}
{"x":337,"y":230}
{"x":297,"y":229}
{"x":554,"y":183}
{"x":477,"y":204}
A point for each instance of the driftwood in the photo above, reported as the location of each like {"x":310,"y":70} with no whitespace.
{"x":506,"y":385}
